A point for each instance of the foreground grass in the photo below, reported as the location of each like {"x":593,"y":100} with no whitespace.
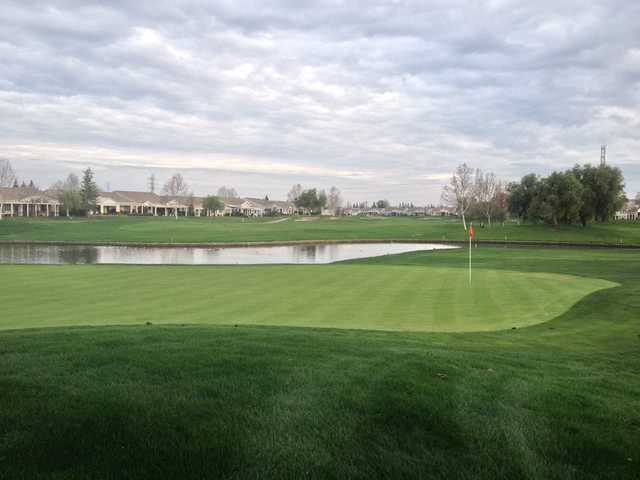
{"x":226,"y":229}
{"x":555,"y":400}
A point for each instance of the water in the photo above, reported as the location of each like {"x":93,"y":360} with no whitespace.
{"x":290,"y":254}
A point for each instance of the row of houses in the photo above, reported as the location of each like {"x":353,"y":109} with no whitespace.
{"x":32,"y":202}
{"x":432,"y":211}
{"x":147,"y":203}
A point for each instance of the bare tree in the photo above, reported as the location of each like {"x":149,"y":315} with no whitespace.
{"x":486,"y":189}
{"x":226,"y":192}
{"x":69,"y":194}
{"x":7,"y":175}
{"x":460,"y":191}
{"x":335,"y":198}
{"x":177,"y":188}
{"x":294,"y":193}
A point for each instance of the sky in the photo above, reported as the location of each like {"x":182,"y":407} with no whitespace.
{"x":382,"y":99}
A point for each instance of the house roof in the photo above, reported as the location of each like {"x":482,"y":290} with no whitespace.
{"x":176,"y":201}
{"x":140,"y":197}
{"x":115,"y":197}
{"x":27,"y":195}
{"x":233,"y":202}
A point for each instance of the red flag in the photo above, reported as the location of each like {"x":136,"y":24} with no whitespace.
{"x":471,"y":231}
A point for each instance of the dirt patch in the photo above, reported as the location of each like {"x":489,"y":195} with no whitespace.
{"x":276,"y":221}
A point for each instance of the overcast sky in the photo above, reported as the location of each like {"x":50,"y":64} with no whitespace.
{"x":380,"y":98}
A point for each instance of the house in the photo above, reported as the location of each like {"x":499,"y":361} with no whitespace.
{"x":232,"y":206}
{"x":28,"y":202}
{"x":257,"y":207}
{"x":277,"y":207}
{"x":631,"y":211}
{"x":122,"y":202}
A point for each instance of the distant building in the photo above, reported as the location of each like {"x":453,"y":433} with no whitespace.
{"x":398,"y":211}
{"x":28,"y":202}
{"x":145,"y":203}
{"x":630,"y":211}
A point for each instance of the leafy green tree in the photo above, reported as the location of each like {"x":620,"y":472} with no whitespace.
{"x":310,"y":199}
{"x":212,"y":203}
{"x":521,"y":195}
{"x":558,"y":199}
{"x":603,"y":192}
{"x":89,"y":191}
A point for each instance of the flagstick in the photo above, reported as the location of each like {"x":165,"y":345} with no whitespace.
{"x":469,"y":259}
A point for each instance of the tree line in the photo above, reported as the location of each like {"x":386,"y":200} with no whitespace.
{"x":582,"y":194}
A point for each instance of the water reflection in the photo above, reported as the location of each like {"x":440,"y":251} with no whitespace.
{"x":290,"y":254}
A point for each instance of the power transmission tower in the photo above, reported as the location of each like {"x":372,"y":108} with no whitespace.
{"x":152,"y":183}
{"x":603,"y":154}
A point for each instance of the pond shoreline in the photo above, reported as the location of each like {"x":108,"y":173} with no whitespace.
{"x":33,"y":254}
{"x":285,"y":243}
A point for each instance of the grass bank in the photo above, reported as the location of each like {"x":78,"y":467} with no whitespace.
{"x":232,"y":229}
{"x":555,"y":400}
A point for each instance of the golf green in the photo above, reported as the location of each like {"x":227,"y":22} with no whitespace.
{"x":350,"y":296}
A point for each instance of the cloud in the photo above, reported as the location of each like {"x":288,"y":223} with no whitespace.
{"x":380,"y":98}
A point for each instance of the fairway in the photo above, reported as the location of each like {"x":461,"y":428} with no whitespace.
{"x":265,"y":229}
{"x":352,"y":296}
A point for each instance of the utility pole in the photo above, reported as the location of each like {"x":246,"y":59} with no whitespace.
{"x":151,"y":183}
{"x":603,"y":155}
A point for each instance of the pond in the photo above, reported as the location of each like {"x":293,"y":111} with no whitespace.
{"x":252,"y":255}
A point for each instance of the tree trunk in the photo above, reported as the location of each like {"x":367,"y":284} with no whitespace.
{"x":464,"y":222}
{"x":489,"y":219}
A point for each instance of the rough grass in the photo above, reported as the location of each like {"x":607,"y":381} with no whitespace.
{"x":559,"y":399}
{"x":225,"y":229}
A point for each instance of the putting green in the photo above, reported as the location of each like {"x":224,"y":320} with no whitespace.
{"x":402,"y":298}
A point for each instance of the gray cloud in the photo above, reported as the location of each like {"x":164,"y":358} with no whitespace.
{"x":382,"y":99}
